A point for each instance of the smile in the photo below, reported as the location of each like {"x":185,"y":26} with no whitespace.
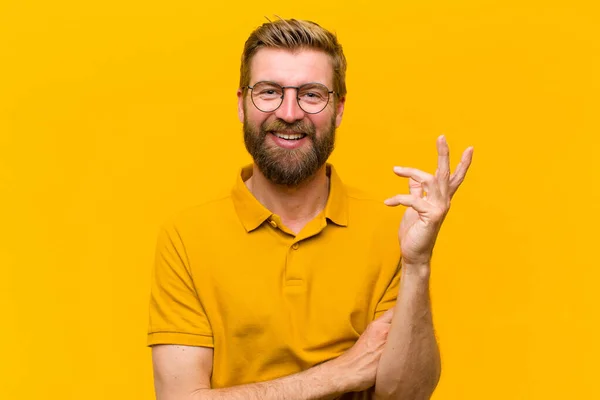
{"x":289,"y":136}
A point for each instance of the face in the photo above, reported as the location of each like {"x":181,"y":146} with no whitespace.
{"x":288,"y":145}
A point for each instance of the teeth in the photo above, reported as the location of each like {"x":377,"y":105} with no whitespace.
{"x":294,"y":136}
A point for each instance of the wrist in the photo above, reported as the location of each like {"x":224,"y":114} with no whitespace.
{"x":421,"y":269}
{"x":339,"y":374}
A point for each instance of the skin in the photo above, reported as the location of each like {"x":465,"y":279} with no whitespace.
{"x":183,"y":372}
{"x":409,"y":367}
{"x":397,"y":353}
{"x":295,"y":205}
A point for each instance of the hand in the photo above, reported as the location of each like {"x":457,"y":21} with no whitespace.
{"x":358,"y":365}
{"x":428,"y":202}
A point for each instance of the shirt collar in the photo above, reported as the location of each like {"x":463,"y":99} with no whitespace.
{"x":336,"y":208}
{"x":252,"y":213}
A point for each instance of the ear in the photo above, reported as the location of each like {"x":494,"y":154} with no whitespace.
{"x":339,"y":111}
{"x":240,"y":96}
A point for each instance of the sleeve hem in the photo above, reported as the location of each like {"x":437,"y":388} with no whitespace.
{"x":180,"y":338}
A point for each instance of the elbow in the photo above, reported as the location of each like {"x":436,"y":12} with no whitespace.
{"x":408,"y":389}
{"x":419,"y":393}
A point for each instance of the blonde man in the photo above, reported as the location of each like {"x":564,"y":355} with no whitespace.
{"x":296,"y":286}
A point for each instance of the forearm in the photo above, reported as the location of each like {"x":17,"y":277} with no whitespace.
{"x":319,"y":382}
{"x":409,"y":368}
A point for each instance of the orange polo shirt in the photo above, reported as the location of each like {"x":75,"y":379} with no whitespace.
{"x":231,"y":276}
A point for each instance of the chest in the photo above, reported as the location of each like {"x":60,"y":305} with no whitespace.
{"x":310,"y":290}
{"x":278,"y":305}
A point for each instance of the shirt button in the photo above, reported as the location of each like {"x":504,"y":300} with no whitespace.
{"x":273,"y":223}
{"x":295,"y":246}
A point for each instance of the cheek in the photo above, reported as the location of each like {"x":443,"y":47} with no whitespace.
{"x":322,"y":121}
{"x":253,"y":116}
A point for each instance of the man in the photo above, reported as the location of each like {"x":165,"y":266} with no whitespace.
{"x":292,"y":286}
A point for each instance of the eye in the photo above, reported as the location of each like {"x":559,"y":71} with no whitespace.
{"x":267,"y":91}
{"x":312,"y":96}
{"x":313,"y":93}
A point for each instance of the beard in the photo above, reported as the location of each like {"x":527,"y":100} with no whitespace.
{"x":288,"y":167}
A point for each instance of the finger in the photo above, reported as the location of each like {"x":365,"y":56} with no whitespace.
{"x":386,"y":316}
{"x":415,"y":188}
{"x":418,"y":203}
{"x":427,"y":181}
{"x":417,"y":175}
{"x":461,"y":170}
{"x":443,"y":169}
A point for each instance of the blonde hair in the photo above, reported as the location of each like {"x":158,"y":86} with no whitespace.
{"x":295,"y":34}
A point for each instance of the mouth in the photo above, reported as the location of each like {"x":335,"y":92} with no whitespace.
{"x":289,"y":135}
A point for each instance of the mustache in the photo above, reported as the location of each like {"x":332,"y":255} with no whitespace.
{"x":280,"y":125}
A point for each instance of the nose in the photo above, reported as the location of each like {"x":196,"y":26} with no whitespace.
{"x":289,"y":110}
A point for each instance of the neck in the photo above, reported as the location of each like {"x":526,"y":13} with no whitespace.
{"x":296,"y":205}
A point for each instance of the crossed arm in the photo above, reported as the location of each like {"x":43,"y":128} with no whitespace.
{"x":183,"y":373}
{"x":397,"y":353}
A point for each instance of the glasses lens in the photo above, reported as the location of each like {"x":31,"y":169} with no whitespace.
{"x":313,"y":97}
{"x":266,"y":96}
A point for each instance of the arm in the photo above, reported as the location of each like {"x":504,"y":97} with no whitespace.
{"x":183,"y":372}
{"x":410,"y":363}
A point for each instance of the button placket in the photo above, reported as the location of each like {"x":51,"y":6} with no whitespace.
{"x":294,"y":267}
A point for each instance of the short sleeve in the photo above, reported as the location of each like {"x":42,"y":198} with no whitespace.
{"x":388,"y":300}
{"x":176,"y":312}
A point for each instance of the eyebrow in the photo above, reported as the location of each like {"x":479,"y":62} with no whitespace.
{"x":291,"y":86}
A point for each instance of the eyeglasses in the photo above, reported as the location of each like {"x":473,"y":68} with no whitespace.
{"x":268,"y":96}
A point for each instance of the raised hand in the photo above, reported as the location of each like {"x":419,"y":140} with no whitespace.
{"x":428,"y":203}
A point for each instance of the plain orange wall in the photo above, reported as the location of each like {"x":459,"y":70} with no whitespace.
{"x":114,"y":115}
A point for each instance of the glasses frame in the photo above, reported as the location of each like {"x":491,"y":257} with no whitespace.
{"x":283,"y":95}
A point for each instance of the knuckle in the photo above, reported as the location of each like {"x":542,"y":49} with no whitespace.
{"x":383,"y":331}
{"x":372,"y":329}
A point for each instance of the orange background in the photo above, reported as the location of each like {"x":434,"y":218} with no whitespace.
{"x":114,"y":115}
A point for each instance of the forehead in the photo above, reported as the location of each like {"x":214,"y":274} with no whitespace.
{"x":291,"y":68}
